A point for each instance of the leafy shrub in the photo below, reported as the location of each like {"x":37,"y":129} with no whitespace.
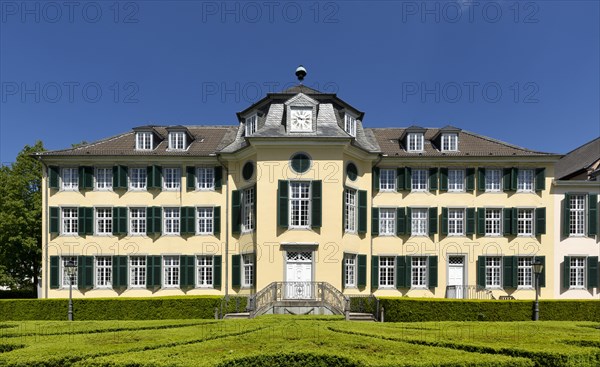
{"x":291,"y":360}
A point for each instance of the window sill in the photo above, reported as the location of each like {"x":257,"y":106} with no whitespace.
{"x":418,"y":288}
{"x":387,"y":287}
{"x":582,"y":235}
{"x":350,"y":287}
{"x":170,"y":287}
{"x":103,"y":190}
{"x":493,"y":192}
{"x":205,"y":234}
{"x":102,"y":288}
{"x":137,"y":234}
{"x":205,"y":287}
{"x":171,"y":234}
{"x":69,"y":234}
{"x":209,"y":189}
{"x":526,"y":288}
{"x":299,"y":228}
{"x":493,"y":288}
{"x":387,"y":235}
{"x":171,"y":190}
{"x":103,"y":234}
{"x":419,"y":235}
{"x":457,"y":235}
{"x":387,"y":190}
{"x":577,"y":288}
{"x":137,"y":190}
{"x":495,"y":235}
{"x":527,"y":235}
{"x":419,"y":190}
{"x":136,"y":288}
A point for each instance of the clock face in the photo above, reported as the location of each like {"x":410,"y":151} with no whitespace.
{"x":301,"y":119}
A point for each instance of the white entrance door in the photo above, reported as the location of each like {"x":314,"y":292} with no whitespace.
{"x":456,"y":267}
{"x":298,"y":275}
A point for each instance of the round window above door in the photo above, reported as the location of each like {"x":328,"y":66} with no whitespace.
{"x":248,"y":171}
{"x":300,"y":162}
{"x":351,"y":171}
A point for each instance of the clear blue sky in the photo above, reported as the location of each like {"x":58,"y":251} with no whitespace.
{"x":523,"y":72}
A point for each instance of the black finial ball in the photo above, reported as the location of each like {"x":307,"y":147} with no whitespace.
{"x":301,"y":73}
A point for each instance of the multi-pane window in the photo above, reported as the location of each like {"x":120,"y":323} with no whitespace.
{"x":350,"y":208}
{"x":577,"y":215}
{"x":70,"y":178}
{"x":299,"y":204}
{"x":350,"y":270}
{"x":248,"y":270}
{"x":386,"y":271}
{"x":493,"y":180}
{"x":418,"y":221}
{"x":137,"y":271}
{"x":524,"y":272}
{"x":419,"y":179}
{"x":350,"y":125}
{"x":205,"y":178}
{"x":104,"y":178}
{"x":104,"y":221}
{"x":143,"y":141}
{"x":171,"y":271}
{"x":172,"y":179}
{"x":248,"y":219}
{"x":387,"y":221}
{"x":171,"y":220}
{"x":251,"y":123}
{"x":492,"y":271}
{"x":415,"y":142}
{"x":456,"y":180}
{"x":419,"y":271}
{"x":205,"y":220}
{"x":449,"y":142}
{"x":69,"y":220}
{"x":387,"y":180}
{"x":103,"y":271}
{"x":525,"y":179}
{"x":177,"y":140}
{"x":493,"y":220}
{"x":137,"y":178}
{"x":67,"y":279}
{"x":204,"y":269}
{"x":137,"y":221}
{"x":456,"y":222}
{"x":577,"y":272}
{"x":525,"y":222}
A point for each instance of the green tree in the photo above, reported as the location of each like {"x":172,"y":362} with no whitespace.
{"x":21,"y":220}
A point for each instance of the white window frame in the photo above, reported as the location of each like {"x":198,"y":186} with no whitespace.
{"x":456,"y":180}
{"x":415,"y":142}
{"x":171,"y":221}
{"x":525,"y":180}
{"x":493,"y":222}
{"x":177,"y":140}
{"x":247,"y":199}
{"x":69,"y":178}
{"x":144,"y":140}
{"x":139,"y":219}
{"x":137,"y":271}
{"x":419,"y":180}
{"x":73,"y":221}
{"x":251,"y":125}
{"x":577,"y":272}
{"x":64,"y":280}
{"x":103,"y":178}
{"x":525,"y":222}
{"x":387,"y":179}
{"x":205,"y":220}
{"x":205,"y":178}
{"x":350,"y":124}
{"x":171,"y":271}
{"x":351,"y":210}
{"x":456,"y":216}
{"x":418,"y":272}
{"x":387,"y":221}
{"x":205,"y":271}
{"x":525,"y":272}
{"x":300,"y":204}
{"x":387,"y":271}
{"x":350,"y":270}
{"x":493,"y":180}
{"x":577,"y":215}
{"x":139,"y":176}
{"x":493,"y":272}
{"x":171,"y":178}
{"x":419,"y":218}
{"x":103,"y":219}
{"x":247,"y":270}
{"x":449,"y":142}
{"x":103,"y":272}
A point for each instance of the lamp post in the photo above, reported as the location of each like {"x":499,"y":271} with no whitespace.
{"x":537,"y":269}
{"x":71,"y":269}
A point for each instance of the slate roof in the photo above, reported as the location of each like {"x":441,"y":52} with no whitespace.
{"x":578,"y":159}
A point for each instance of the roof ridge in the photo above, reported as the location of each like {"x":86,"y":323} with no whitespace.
{"x":581,"y":146}
{"x":88,"y":145}
{"x":503,"y":142}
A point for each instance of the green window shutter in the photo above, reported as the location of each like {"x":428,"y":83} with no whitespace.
{"x":540,"y":221}
{"x":54,"y":219}
{"x":362,"y":211}
{"x":218,"y":177}
{"x":85,"y":272}
{"x":481,"y":271}
{"x":188,"y":268}
{"x":236,"y":274}
{"x":514,"y":219}
{"x":217,"y":260}
{"x":543,"y":273}
{"x":187,"y":220}
{"x":514,"y":269}
{"x":217,"y":220}
{"x":540,"y":179}
{"x":154,"y":220}
{"x":153,"y":271}
{"x":433,"y":221}
{"x":54,"y":272}
{"x":374,"y":272}
{"x":481,"y":221}
{"x":507,"y":221}
{"x":514,"y":177}
{"x":401,"y":221}
{"x":343,"y":270}
{"x":443,"y":179}
{"x":408,"y":272}
{"x":81,"y":221}
{"x":566,"y":272}
{"x":119,"y":220}
{"x":470,"y":179}
{"x":344,"y":210}
{"x":407,"y":178}
{"x":86,"y":177}
{"x":444,"y":221}
{"x":401,"y":179}
{"x":566,"y":215}
{"x":481,"y":179}
{"x":85,"y":225}
{"x":375,"y":179}
{"x":592,"y":272}
{"x":190,"y":177}
{"x":254,"y":270}
{"x":120,"y":177}
{"x":400,"y":272}
{"x":149,"y":221}
{"x":433,"y":179}
{"x":283,"y":203}
{"x":362,"y":271}
{"x":506,"y":179}
{"x":53,"y":174}
{"x":433,"y":271}
{"x":236,"y":212}
{"x":375,"y":221}
{"x":154,"y":177}
{"x":592,"y":214}
{"x":316,"y":204}
{"x":470,"y":220}
{"x":507,"y":272}
{"x":119,"y":269}
{"x":254,"y":211}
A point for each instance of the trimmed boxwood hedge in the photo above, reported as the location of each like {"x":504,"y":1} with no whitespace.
{"x":158,"y":308}
{"x":415,"y":310}
{"x":291,"y":360}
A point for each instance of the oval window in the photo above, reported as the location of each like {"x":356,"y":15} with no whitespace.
{"x":300,"y":162}
{"x":248,"y":171}
{"x":351,"y":171}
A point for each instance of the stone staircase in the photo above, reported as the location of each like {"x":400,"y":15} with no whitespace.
{"x":359,"y":316}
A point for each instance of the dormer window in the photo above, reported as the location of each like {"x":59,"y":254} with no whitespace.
{"x":415,"y":142}
{"x":143,"y":140}
{"x":350,"y":125}
{"x":251,"y":124}
{"x":449,"y":142}
{"x":176,"y":140}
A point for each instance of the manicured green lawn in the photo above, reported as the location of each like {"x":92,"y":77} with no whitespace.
{"x":297,"y":341}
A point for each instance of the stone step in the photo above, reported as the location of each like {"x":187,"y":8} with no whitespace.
{"x":357,"y":316}
{"x":239,"y":315}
